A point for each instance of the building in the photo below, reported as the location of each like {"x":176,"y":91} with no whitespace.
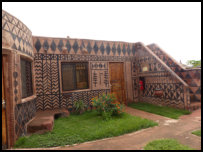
{"x":43,"y":73}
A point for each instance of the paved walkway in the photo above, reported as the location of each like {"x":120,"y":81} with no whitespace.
{"x":168,"y":128}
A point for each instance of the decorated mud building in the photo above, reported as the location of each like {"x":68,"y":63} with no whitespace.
{"x":44,"y":74}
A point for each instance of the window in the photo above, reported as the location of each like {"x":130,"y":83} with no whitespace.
{"x":26,"y":78}
{"x":74,"y":76}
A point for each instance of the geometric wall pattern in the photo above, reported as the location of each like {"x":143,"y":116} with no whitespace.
{"x":49,"y":52}
{"x":47,"y":78}
{"x":89,"y":47}
{"x":20,"y":35}
{"x":173,"y":91}
{"x":165,"y":58}
{"x":23,"y":113}
{"x":156,"y":77}
{"x":15,"y":75}
{"x":99,"y":75}
{"x":191,"y":76}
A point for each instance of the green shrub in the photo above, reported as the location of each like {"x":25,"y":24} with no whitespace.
{"x":79,"y":107}
{"x":107,"y":106}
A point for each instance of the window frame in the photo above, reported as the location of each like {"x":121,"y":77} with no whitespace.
{"x":32,"y":77}
{"x":61,"y":77}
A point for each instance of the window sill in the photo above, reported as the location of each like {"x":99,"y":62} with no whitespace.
{"x":72,"y":91}
{"x":28,"y":98}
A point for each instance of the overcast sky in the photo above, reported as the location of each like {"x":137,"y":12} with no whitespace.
{"x":175,"y":27}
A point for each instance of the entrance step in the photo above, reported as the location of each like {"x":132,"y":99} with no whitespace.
{"x":44,"y":120}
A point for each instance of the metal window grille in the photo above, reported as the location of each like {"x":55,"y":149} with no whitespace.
{"x":74,"y":76}
{"x":26,"y":78}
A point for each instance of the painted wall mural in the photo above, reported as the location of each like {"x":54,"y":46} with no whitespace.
{"x":24,"y":112}
{"x":99,"y":75}
{"x":191,"y":76}
{"x":47,"y":76}
{"x":83,"y":46}
{"x":157,"y":77}
{"x":50,"y":52}
{"x":16,"y":35}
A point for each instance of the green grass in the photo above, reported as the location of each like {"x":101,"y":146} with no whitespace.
{"x":86,"y":127}
{"x":197,"y":132}
{"x":166,"y":144}
{"x":159,"y":110}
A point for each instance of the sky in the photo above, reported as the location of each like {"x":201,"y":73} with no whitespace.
{"x":174,"y":27}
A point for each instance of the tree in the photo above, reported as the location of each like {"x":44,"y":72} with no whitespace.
{"x":194,"y":63}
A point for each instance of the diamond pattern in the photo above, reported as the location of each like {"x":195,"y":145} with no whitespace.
{"x":124,"y":50}
{"x":95,"y":48}
{"x":60,"y":45}
{"x":114,"y":49}
{"x":102,"y":48}
{"x":23,"y":113}
{"x":75,"y":47}
{"x":68,"y":46}
{"x":46,"y":45}
{"x":128,"y":49}
{"x":108,"y":49}
{"x":89,"y":48}
{"x":119,"y":49}
{"x":53,"y":46}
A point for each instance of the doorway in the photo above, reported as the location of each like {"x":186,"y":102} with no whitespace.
{"x":116,"y":71}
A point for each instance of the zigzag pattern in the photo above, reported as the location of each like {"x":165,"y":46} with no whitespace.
{"x":64,"y":101}
{"x":54,"y":77}
{"x":38,"y":77}
{"x":46,"y":77}
{"x":40,"y":102}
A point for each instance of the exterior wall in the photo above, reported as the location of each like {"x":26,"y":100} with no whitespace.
{"x":191,"y":76}
{"x":175,"y":93}
{"x":46,"y":55}
{"x":24,"y":112}
{"x":16,"y":35}
{"x":16,"y":43}
{"x":50,"y":52}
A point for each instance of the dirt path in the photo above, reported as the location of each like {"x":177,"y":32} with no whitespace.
{"x":168,"y":128}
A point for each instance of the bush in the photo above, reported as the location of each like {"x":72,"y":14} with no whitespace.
{"x":79,"y":107}
{"x":107,"y":106}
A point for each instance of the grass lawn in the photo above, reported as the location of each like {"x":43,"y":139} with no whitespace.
{"x":86,"y":127}
{"x":166,"y":144}
{"x":197,"y":132}
{"x":159,"y":110}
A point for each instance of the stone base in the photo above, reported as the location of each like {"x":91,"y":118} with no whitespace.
{"x":44,"y":120}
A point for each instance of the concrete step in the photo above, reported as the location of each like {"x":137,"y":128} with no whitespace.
{"x":44,"y":120}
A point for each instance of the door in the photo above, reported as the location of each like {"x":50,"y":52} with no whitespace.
{"x":117,"y":81}
{"x":4,"y":137}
